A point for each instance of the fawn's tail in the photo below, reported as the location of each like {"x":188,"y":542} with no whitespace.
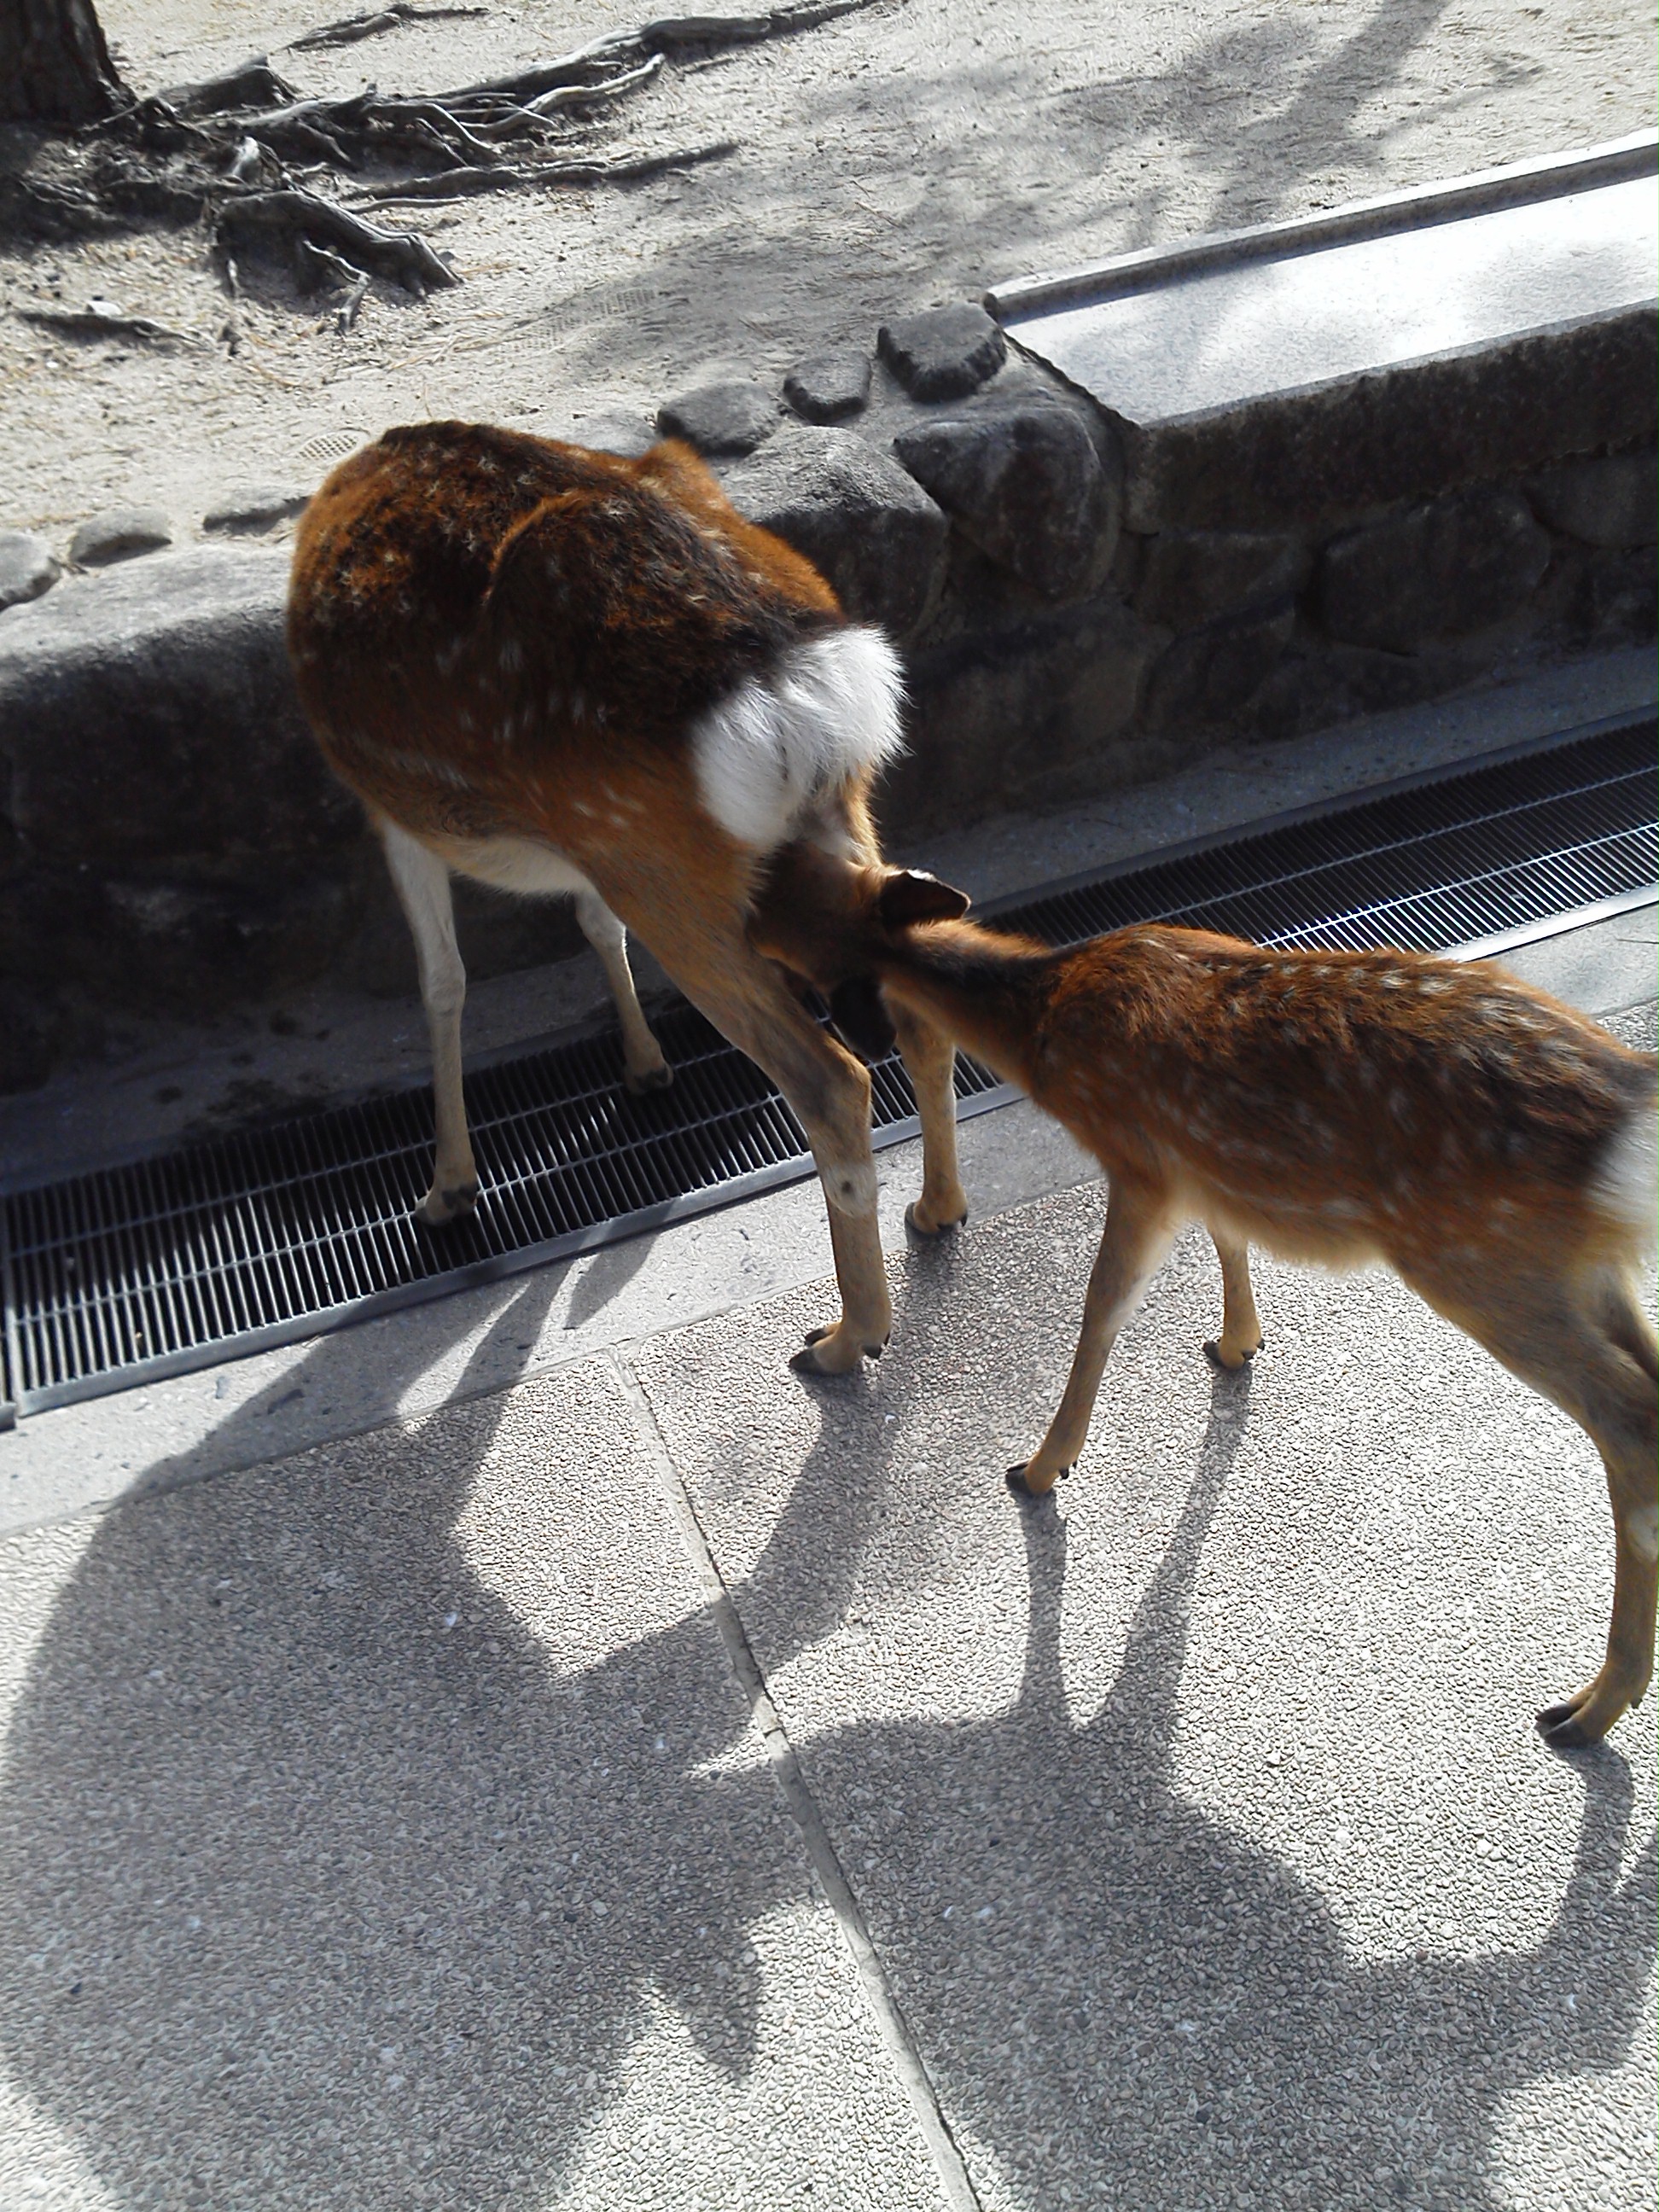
{"x":1627,"y":1182}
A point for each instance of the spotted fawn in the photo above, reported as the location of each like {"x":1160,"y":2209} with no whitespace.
{"x":1493,"y":1148}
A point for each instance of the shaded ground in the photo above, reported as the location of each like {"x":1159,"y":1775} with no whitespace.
{"x":914,"y":153}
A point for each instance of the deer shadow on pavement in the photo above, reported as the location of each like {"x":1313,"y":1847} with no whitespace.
{"x":329,"y":1883}
{"x":1136,"y":2002}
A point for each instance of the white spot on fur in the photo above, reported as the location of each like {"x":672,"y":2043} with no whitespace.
{"x":511,"y":655}
{"x":829,"y":710}
{"x":1626,"y":1181}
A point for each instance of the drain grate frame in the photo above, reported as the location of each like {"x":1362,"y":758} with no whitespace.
{"x":176,"y":1258}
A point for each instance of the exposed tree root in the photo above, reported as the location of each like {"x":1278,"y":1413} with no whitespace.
{"x":461,"y":184}
{"x":240,"y":151}
{"x":351,"y":28}
{"x":96,"y":320}
{"x":289,"y":217}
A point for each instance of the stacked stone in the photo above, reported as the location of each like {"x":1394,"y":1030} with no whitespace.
{"x":1078,"y":604}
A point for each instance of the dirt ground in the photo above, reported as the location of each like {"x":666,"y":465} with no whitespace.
{"x":885,"y":161}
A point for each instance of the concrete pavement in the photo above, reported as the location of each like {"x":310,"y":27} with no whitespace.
{"x":667,"y":1781}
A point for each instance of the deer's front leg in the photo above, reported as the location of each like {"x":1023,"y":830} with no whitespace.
{"x":930,"y":1060}
{"x":1138,"y":1234}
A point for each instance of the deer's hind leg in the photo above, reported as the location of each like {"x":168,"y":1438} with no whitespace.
{"x":1584,"y":1344}
{"x":644,"y":1066}
{"x":1241,"y":1337}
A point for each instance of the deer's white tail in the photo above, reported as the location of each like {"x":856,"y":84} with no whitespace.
{"x":1627,"y":1183}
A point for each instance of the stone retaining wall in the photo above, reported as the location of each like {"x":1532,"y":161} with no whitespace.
{"x":1079,"y":605}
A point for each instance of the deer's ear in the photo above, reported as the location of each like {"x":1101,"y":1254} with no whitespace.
{"x":911,"y":894}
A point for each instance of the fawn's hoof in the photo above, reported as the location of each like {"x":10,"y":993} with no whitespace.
{"x":642,"y":1081}
{"x":1218,"y":1359}
{"x":919,"y":1228}
{"x":440,"y":1207}
{"x":1578,"y":1722}
{"x":1015,"y":1479}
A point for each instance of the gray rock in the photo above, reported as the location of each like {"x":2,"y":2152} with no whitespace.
{"x":118,"y":534}
{"x":722,"y":418}
{"x":30,"y":1032}
{"x":26,"y":568}
{"x":830,"y":386}
{"x":1436,"y":571}
{"x":1412,"y":431}
{"x":1027,"y":715}
{"x":1605,"y":499}
{"x":253,"y":508}
{"x":615,"y":432}
{"x":1025,"y":483}
{"x":944,"y":354}
{"x":1615,"y":598}
{"x":1311,"y":690}
{"x":1192,"y":576}
{"x":1209,"y":675}
{"x":872,"y":532}
{"x":178,"y":839}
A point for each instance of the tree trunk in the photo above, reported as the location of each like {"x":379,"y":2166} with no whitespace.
{"x":54,"y":65}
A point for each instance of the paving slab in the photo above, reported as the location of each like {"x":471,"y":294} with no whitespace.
{"x":1198,"y":1817}
{"x":387,"y":1828}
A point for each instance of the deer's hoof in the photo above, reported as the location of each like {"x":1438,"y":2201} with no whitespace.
{"x":1015,"y":1479}
{"x":930,"y":1235}
{"x":642,"y":1081}
{"x":810,"y":1360}
{"x":440,"y":1207}
{"x":1562,"y":1730}
{"x":1218,"y":1359}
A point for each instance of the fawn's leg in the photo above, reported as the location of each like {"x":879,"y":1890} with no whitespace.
{"x":422,"y":882}
{"x":1241,"y":1336}
{"x":644,"y":1068}
{"x":930,"y":1060}
{"x":1138,"y":1235}
{"x":1587,"y":1346}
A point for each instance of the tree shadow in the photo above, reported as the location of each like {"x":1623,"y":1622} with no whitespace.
{"x":1235,"y":124}
{"x":332,"y":1880}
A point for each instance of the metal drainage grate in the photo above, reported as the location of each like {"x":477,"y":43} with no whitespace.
{"x":182,"y":1258}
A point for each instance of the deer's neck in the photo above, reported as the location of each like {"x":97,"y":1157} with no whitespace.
{"x":989,"y":992}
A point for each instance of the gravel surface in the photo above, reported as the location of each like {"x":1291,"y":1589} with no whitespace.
{"x":889,"y":160}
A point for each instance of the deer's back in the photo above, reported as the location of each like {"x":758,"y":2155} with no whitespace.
{"x":1347,"y":1101}
{"x":478,"y":618}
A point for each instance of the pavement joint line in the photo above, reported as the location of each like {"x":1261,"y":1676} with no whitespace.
{"x":948,"y":2164}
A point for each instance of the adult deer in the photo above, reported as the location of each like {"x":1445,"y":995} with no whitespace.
{"x":1494,"y":1148}
{"x":562,"y":672}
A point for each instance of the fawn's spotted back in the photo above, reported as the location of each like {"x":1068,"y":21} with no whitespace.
{"x":1337,"y":1098}
{"x":1494,"y":1147}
